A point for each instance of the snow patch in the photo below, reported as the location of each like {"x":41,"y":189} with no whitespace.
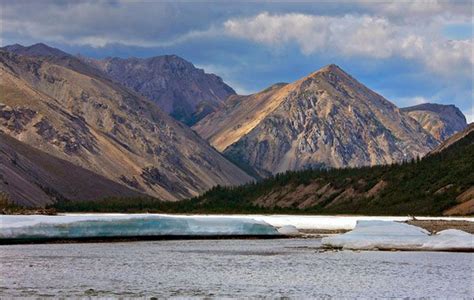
{"x":289,"y":230}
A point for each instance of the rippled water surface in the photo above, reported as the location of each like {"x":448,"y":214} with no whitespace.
{"x":230,"y":268}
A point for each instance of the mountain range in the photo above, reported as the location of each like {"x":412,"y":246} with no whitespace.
{"x":122,"y":125}
{"x":441,"y":183}
{"x":72,"y":111}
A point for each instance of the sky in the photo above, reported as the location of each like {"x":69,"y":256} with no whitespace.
{"x":410,"y":52}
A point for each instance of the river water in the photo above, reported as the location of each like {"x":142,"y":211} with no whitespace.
{"x":293,"y":268}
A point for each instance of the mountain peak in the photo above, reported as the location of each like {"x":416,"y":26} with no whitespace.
{"x":329,"y":71}
{"x":331,"y":67}
{"x":326,"y":119}
{"x":38,"y":49}
{"x":435,"y":107}
{"x":439,"y":120}
{"x":172,"y":82}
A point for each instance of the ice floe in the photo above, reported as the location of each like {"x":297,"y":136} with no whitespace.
{"x":93,"y":226}
{"x":288,"y":230}
{"x":389,"y":235}
{"x":314,"y":222}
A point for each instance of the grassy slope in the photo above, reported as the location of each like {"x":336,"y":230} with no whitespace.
{"x":411,"y":189}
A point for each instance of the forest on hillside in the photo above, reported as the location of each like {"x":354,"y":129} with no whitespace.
{"x":427,"y":186}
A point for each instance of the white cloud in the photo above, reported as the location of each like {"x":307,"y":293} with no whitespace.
{"x":417,"y":9}
{"x":357,"y":35}
{"x":411,"y":101}
{"x":372,"y":29}
{"x":469,"y":115}
{"x":228,"y":75}
{"x":419,"y":100}
{"x":98,"y":23}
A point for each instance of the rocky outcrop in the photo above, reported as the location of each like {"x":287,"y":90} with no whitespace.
{"x":441,"y":121}
{"x":327,"y":119}
{"x":185,"y":92}
{"x":74,"y":112}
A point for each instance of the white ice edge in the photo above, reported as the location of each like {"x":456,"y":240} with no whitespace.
{"x":388,"y":235}
{"x":299,"y":221}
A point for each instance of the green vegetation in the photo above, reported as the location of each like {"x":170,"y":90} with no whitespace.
{"x":423,"y":187}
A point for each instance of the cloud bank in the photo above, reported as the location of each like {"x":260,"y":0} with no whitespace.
{"x":372,"y":37}
{"x":403,"y":49}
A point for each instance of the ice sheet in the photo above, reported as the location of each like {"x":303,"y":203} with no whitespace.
{"x":88,"y":226}
{"x":211,"y":222}
{"x":389,"y":235}
{"x":338,"y":222}
{"x":299,"y":221}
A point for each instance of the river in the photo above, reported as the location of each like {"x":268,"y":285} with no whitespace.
{"x":293,"y":268}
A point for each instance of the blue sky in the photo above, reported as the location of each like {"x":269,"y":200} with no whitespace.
{"x":409,"y":51}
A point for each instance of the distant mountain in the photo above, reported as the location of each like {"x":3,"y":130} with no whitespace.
{"x":441,"y":121}
{"x":327,"y":119}
{"x":39,"y":49}
{"x":30,"y":177}
{"x":72,"y":111}
{"x":185,"y":92}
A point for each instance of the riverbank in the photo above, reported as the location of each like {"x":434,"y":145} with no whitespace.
{"x":434,"y":226}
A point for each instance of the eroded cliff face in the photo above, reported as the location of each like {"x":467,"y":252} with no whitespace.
{"x":441,"y":121}
{"x":327,"y":119}
{"x":185,"y":92}
{"x":72,"y":111}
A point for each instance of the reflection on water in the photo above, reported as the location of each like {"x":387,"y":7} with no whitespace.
{"x":229,"y":268}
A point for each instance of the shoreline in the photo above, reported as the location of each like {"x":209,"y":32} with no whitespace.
{"x":123,"y":239}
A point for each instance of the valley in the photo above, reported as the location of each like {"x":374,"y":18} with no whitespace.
{"x":325,"y":143}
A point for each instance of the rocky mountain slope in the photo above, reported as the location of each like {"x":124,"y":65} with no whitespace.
{"x":453,"y":139}
{"x":72,"y":111}
{"x":441,"y":183}
{"x":438,"y":184}
{"x":30,"y":177}
{"x":441,"y":121}
{"x":327,"y":119}
{"x":185,"y":92}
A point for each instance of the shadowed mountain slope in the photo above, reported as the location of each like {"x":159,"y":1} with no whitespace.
{"x":31,"y":177}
